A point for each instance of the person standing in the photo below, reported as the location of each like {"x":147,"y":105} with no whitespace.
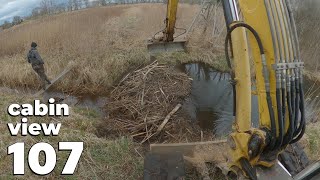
{"x":37,"y":62}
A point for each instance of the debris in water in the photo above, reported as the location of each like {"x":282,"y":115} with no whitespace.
{"x":142,"y":101}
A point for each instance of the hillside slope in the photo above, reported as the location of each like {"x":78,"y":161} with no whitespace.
{"x":105,"y":42}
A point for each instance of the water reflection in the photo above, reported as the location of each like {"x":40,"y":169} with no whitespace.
{"x":211,"y":101}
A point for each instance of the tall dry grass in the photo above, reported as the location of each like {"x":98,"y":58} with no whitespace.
{"x":308,"y":24}
{"x":110,"y":159}
{"x":104,"y":42}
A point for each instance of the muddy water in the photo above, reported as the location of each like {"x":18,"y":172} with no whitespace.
{"x":96,"y":103}
{"x":211,"y":101}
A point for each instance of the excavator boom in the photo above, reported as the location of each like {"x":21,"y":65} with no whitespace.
{"x":265,"y":62}
{"x":166,"y":42}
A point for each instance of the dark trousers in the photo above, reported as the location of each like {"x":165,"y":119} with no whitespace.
{"x":39,"y":69}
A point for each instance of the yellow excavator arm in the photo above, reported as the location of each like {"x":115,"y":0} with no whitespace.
{"x":172,"y":8}
{"x":166,"y":42}
{"x":266,"y":63}
{"x":266,"y":37}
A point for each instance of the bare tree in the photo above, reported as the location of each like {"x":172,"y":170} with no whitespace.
{"x":59,"y":8}
{"x":6,"y":25}
{"x":76,"y":4}
{"x":70,"y":5}
{"x":102,"y":2}
{"x":17,"y":20}
{"x":35,"y":12}
{"x":47,"y":6}
{"x":44,"y":4}
{"x":86,"y":3}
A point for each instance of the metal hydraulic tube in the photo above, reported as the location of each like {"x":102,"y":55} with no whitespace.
{"x":299,"y":81}
{"x":284,"y":74}
{"x":278,"y":48}
{"x":290,"y":73}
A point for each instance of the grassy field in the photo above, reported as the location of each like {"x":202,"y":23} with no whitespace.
{"x":104,"y":42}
{"x":307,"y":17}
{"x":101,"y":159}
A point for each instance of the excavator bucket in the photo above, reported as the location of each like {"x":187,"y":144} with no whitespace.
{"x":155,"y":47}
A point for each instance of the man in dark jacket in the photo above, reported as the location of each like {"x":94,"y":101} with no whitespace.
{"x":37,"y":64}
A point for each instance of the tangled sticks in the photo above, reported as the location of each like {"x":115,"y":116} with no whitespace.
{"x":145,"y":102}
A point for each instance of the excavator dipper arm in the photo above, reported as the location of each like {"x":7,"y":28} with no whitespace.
{"x":167,"y":43}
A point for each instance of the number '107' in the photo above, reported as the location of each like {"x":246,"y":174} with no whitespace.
{"x":50,"y":160}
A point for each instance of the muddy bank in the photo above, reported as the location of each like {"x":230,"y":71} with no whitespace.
{"x":89,"y":101}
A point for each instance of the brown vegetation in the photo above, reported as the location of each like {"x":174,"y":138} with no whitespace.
{"x":147,"y":106}
{"x":307,"y":15}
{"x":104,"y":42}
{"x":101,"y":158}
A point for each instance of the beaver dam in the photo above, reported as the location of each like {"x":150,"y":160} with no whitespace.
{"x":193,"y":102}
{"x":146,"y":104}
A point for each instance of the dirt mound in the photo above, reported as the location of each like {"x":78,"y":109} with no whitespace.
{"x":146,"y":104}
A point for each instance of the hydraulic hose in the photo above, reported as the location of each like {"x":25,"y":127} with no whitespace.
{"x":302,"y":126}
{"x":289,"y":72}
{"x":265,"y":73}
{"x":289,"y":135}
{"x":277,"y":33}
{"x":299,"y":131}
{"x":293,"y":97}
{"x":278,"y":57}
{"x":280,"y":116}
{"x":297,"y":106}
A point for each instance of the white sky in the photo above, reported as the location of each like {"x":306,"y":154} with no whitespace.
{"x":11,"y":8}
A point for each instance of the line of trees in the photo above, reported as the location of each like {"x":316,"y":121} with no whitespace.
{"x":16,"y":20}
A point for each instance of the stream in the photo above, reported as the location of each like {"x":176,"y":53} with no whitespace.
{"x":211,"y":101}
{"x":93,"y":102}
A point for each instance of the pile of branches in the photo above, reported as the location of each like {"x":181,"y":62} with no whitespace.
{"x":147,"y":102}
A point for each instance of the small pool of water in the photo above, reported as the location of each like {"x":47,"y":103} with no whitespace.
{"x":210,"y":103}
{"x":96,"y":103}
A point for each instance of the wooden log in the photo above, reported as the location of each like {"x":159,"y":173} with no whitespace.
{"x":62,"y":74}
{"x":165,"y":121}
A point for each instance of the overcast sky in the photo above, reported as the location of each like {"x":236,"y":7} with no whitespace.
{"x":11,"y":8}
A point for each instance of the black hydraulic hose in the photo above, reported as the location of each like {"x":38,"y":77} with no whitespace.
{"x":280,"y":118}
{"x":293,"y":97}
{"x":268,"y":98}
{"x":272,"y":16}
{"x":234,"y":96}
{"x":302,"y":125}
{"x":289,"y":134}
{"x":281,"y":107}
{"x":297,"y":102}
{"x":254,"y":32}
{"x":296,"y":139}
{"x":273,"y":138}
{"x":283,"y":96}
